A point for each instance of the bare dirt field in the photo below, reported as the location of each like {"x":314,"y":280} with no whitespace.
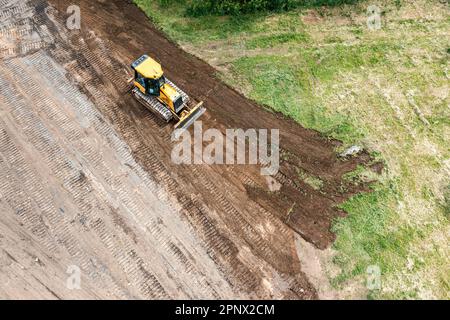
{"x":87,"y":179}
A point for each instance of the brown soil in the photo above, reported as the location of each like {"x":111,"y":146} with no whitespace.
{"x":230,"y":233}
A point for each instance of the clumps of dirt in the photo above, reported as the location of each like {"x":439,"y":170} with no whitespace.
{"x":377,"y":167}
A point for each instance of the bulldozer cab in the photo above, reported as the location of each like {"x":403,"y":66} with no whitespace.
{"x":154,"y":85}
{"x":150,"y":86}
{"x":148,"y":75}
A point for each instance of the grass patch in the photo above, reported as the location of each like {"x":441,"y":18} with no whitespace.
{"x":371,"y":236}
{"x":364,"y":236}
{"x":204,"y":29}
{"x":360,"y":175}
{"x":288,"y":84}
{"x":314,"y":182}
{"x":270,"y":41}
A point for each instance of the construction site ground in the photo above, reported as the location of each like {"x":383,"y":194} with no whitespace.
{"x":87,"y":178}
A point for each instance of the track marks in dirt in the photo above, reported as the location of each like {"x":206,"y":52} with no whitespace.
{"x":78,"y":155}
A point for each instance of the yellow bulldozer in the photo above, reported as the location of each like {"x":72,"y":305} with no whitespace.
{"x":160,"y":95}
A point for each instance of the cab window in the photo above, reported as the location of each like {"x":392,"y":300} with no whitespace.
{"x":140,"y":79}
{"x":153,"y":86}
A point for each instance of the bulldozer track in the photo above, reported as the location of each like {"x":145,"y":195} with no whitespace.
{"x":10,"y":10}
{"x":17,"y":30}
{"x":39,"y":138}
{"x":153,"y":105}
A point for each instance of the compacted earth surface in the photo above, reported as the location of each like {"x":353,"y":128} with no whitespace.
{"x":88,"y":186}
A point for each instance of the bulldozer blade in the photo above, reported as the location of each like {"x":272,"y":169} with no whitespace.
{"x":190,"y":118}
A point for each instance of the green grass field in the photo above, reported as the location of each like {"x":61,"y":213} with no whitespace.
{"x":386,"y":90}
